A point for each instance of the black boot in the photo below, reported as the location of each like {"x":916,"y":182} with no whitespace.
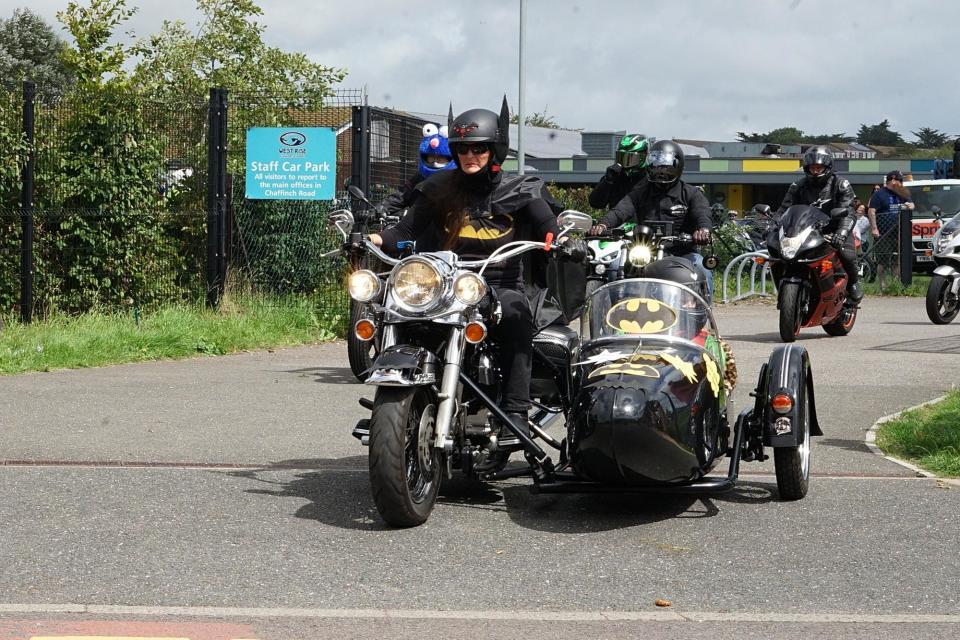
{"x":855,"y":292}
{"x":507,"y":437}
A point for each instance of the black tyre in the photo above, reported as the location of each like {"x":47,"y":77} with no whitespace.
{"x":592,"y":285}
{"x":791,"y":310}
{"x":942,"y":306}
{"x":843,"y":324}
{"x":404,"y":465}
{"x":359,"y":353}
{"x":792,"y":464}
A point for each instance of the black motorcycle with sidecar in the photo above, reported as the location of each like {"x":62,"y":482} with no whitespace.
{"x":642,"y":389}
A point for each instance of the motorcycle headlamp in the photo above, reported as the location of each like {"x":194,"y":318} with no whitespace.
{"x":363,"y":285}
{"x":640,"y":255}
{"x":416,"y":284}
{"x":790,"y":245}
{"x":469,"y":288}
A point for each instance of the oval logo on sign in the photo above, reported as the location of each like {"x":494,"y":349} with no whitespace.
{"x":293,"y":139}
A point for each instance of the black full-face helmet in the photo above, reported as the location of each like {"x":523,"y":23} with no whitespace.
{"x":664,"y":162}
{"x":822,"y":155}
{"x":481,"y":126}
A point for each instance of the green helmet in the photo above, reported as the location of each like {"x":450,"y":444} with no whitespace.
{"x":632,"y":152}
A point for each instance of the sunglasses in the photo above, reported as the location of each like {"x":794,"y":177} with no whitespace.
{"x":475,"y":149}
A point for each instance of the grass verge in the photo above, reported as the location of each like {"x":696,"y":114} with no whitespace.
{"x":96,"y":339}
{"x":928,"y":436}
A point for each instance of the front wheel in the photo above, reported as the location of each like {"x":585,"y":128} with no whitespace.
{"x":404,"y":464}
{"x":942,"y":304}
{"x":792,"y":464}
{"x":359,"y":353}
{"x":791,"y":310}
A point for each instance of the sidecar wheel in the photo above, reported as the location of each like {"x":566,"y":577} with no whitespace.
{"x":792,"y":464}
{"x":359,"y":353}
{"x":404,"y":465}
{"x":790,"y":311}
{"x":942,"y":307}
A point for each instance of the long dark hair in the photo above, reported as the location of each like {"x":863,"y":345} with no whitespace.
{"x":452,"y":198}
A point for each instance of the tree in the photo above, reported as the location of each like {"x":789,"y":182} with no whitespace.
{"x":227,"y":51}
{"x":538,"y":119}
{"x":880,"y":134}
{"x":928,"y":138}
{"x":792,"y":135}
{"x":30,"y":50}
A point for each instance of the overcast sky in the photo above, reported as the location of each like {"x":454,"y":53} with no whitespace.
{"x":688,"y":68}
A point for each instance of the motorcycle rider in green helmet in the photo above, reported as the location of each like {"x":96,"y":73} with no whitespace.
{"x":623,"y":175}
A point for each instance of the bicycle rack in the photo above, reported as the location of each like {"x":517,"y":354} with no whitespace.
{"x":759,"y":261}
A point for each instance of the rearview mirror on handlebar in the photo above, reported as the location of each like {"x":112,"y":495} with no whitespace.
{"x":576,"y":220}
{"x":342,"y":221}
{"x":358,"y":193}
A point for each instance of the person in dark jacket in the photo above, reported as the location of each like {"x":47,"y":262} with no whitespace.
{"x":663,"y":196}
{"x":623,"y":175}
{"x":821,"y":186}
{"x":473,"y":211}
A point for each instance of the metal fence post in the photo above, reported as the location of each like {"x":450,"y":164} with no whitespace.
{"x":216,"y":195}
{"x":26,"y":205}
{"x":360,"y":159}
{"x":905,"y":244}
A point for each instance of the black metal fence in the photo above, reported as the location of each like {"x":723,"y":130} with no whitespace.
{"x":130,"y":203}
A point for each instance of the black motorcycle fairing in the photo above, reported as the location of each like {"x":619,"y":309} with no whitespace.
{"x":795,"y":221}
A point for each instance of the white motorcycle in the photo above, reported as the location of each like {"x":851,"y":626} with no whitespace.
{"x":943,"y":293}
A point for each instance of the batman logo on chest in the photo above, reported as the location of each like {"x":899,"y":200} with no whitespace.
{"x":488,"y":226}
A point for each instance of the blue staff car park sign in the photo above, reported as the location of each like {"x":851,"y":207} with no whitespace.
{"x":291,"y":164}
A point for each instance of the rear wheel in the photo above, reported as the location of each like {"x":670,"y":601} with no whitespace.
{"x":791,"y":310}
{"x":942,"y":305}
{"x":792,"y":464}
{"x":404,"y":464}
{"x":844,"y":323}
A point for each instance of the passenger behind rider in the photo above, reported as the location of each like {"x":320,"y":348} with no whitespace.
{"x":473,"y":211}
{"x":435,"y":155}
{"x":663,"y":196}
{"x":821,"y":184}
{"x":623,"y":175}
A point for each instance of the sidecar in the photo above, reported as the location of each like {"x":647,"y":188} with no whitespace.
{"x":649,"y":392}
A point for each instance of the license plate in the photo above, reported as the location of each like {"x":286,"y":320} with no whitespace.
{"x":924,"y":258}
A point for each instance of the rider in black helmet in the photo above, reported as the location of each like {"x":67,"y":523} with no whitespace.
{"x":834,"y":195}
{"x":663,"y":196}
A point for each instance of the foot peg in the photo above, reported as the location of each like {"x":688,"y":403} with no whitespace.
{"x":362,"y":431}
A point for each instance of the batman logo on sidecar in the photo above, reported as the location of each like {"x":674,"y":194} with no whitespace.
{"x":641,"y":316}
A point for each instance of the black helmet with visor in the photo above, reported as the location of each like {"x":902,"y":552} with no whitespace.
{"x":818,"y":155}
{"x":664,"y":162}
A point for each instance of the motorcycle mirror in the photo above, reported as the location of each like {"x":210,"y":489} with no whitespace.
{"x":936,"y":211}
{"x":576,"y":220}
{"x":762,"y":209}
{"x":711,"y":262}
{"x":357,"y":193}
{"x":342,"y":221}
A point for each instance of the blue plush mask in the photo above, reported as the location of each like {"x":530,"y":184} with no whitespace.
{"x":435,"y":152}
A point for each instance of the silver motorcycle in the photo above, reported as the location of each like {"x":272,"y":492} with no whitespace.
{"x":437,"y":375}
{"x":943,"y":292}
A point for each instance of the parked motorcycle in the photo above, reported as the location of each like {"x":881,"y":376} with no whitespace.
{"x":943,"y":292}
{"x":810,"y":279}
{"x":644,"y":395}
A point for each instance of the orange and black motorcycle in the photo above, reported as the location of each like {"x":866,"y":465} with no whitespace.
{"x":811,"y":282}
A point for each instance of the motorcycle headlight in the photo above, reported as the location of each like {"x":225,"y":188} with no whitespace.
{"x":417,"y":284}
{"x":363,"y":285}
{"x":640,"y":255}
{"x":790,"y":245}
{"x":469,"y":288}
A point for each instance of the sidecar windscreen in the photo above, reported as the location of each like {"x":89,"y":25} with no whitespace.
{"x":647,"y":310}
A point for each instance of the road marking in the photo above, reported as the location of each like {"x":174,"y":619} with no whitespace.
{"x":497,"y":614}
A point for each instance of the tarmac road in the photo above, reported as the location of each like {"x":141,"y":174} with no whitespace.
{"x":244,"y":501}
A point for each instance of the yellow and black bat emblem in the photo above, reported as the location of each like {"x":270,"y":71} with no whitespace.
{"x":629,"y":367}
{"x":641,"y":316}
{"x":489,"y":227}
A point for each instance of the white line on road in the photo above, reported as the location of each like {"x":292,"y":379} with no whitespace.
{"x":536,"y":616}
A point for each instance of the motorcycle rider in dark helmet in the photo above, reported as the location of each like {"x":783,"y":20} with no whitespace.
{"x":623,"y":175}
{"x":472,"y":211}
{"x":821,"y":184}
{"x":663,"y":196}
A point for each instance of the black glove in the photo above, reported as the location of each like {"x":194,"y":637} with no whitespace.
{"x":613,"y":172}
{"x":573,"y":249}
{"x":839,"y":239}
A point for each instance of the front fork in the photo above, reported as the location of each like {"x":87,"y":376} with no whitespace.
{"x":449,"y":384}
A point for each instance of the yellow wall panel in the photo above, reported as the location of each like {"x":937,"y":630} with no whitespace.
{"x":772,"y":165}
